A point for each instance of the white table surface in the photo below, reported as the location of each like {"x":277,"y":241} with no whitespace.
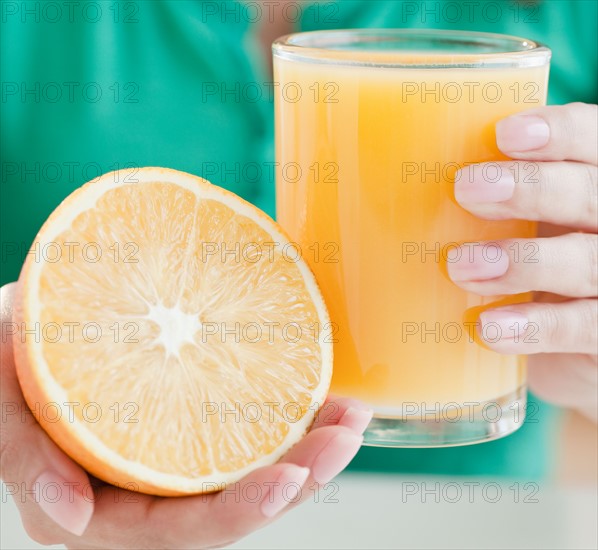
{"x":383,"y":511}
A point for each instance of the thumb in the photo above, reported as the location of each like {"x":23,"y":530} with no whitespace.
{"x":36,"y":472}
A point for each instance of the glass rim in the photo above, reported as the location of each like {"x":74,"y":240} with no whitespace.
{"x":330,"y":47}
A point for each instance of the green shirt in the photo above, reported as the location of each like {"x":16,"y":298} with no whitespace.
{"x":132,"y":85}
{"x":175,"y":83}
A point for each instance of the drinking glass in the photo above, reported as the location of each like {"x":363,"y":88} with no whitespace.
{"x":372,"y":127}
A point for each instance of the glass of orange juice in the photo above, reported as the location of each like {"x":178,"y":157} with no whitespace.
{"x":371,"y":128}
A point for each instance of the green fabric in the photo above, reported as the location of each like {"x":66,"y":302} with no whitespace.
{"x":567,"y":28}
{"x":163,"y":67}
{"x":164,"y":58}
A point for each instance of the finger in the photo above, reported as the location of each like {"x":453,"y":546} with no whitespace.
{"x":326,"y":452}
{"x":344,"y":411}
{"x":562,"y":193}
{"x":119,"y":521}
{"x":332,"y":442}
{"x":557,"y":132}
{"x":566,"y":327}
{"x":242,"y":507}
{"x":565,"y":379}
{"x":221,"y":518}
{"x":36,"y":472}
{"x":566,"y":265}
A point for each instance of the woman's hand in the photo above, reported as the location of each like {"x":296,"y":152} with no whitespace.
{"x":552,"y":179}
{"x":110,"y":517}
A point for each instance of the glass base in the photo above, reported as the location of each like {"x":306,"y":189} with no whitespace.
{"x":447,"y":425}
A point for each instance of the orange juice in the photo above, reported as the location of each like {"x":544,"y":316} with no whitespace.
{"x":366,"y":159}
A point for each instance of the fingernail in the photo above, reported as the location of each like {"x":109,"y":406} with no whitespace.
{"x":477,"y":262}
{"x":502,"y":324}
{"x":333,"y":458}
{"x":62,"y":502}
{"x":519,"y":133}
{"x":356,"y":419}
{"x":476,"y":185}
{"x":285,"y":490}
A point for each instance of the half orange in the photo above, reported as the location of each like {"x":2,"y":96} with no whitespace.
{"x":170,"y":338}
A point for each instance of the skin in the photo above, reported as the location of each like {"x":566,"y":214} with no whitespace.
{"x":563,"y":366}
{"x":563,"y":363}
{"x":116,"y":518}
